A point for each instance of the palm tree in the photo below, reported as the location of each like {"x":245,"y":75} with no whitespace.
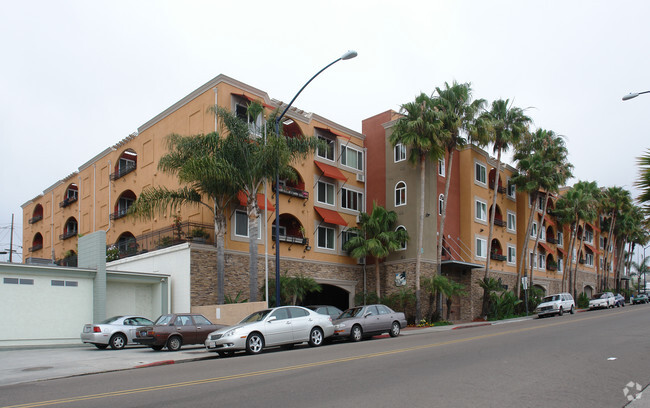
{"x":299,"y":286}
{"x":193,"y":160}
{"x":453,"y":289}
{"x":507,"y":125}
{"x":419,"y":130}
{"x":376,"y":236}
{"x":435,"y":286}
{"x":614,"y":201}
{"x":643,"y":183}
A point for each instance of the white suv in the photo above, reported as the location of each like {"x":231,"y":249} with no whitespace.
{"x":604,"y":299}
{"x":556,"y":305}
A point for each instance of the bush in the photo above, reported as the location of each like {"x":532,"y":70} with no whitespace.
{"x":503,"y":306}
{"x":583,"y":301}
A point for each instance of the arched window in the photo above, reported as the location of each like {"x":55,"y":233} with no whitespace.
{"x":70,"y":229}
{"x":441,"y":203}
{"x":37,"y":242}
{"x":402,"y":246}
{"x":400,"y":194}
{"x":125,"y":201}
{"x":37,"y":215}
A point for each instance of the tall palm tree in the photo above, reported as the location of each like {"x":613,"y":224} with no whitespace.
{"x":419,"y":130}
{"x":643,"y":182}
{"x":507,"y":125}
{"x":453,"y":289}
{"x":193,"y":160}
{"x":435,"y":286}
{"x":614,"y":201}
{"x":376,"y":236}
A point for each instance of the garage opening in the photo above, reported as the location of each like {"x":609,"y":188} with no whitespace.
{"x":330,"y":295}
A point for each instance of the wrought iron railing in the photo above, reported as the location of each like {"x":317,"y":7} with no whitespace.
{"x":67,"y":202}
{"x":36,"y":247}
{"x":123,"y":171}
{"x":498,"y":257}
{"x":119,"y":214}
{"x":293,"y":191}
{"x":293,"y":240}
{"x":35,"y":219}
{"x":68,"y":234}
{"x":500,"y":223}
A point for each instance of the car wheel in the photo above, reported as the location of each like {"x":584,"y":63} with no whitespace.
{"x":561,"y":312}
{"x":356,"y":334}
{"x":118,"y":341}
{"x":157,"y":348}
{"x":394,"y":329}
{"x":174,"y":343}
{"x":254,"y":343}
{"x":573,"y":310}
{"x":101,"y":346}
{"x":316,"y":337}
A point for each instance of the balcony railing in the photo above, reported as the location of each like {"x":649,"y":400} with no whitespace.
{"x":498,"y":257}
{"x":501,"y":190}
{"x":119,"y":214}
{"x":293,"y":240}
{"x":551,"y":240}
{"x":67,"y":202}
{"x":36,"y":247}
{"x":551,"y":267}
{"x":35,"y":219}
{"x":292,"y":191}
{"x":67,"y":235}
{"x":123,"y":171}
{"x":500,"y":223}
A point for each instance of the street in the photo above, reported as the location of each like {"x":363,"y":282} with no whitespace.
{"x":581,"y":360}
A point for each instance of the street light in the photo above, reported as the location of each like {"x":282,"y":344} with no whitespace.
{"x":348,"y":55}
{"x":633,"y":95}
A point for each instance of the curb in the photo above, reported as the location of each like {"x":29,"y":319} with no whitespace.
{"x":468,"y":326}
{"x":156,"y":363}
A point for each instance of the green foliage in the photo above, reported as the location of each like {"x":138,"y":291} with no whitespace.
{"x":293,"y":289}
{"x":112,"y":253}
{"x":583,"y":301}
{"x":164,"y":242}
{"x":535,"y":296}
{"x":401,"y":301}
{"x":503,"y":305}
{"x":236,"y":299}
{"x":199,"y":233}
{"x":371,"y":298}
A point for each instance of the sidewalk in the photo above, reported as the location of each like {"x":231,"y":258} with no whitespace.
{"x":26,"y":364}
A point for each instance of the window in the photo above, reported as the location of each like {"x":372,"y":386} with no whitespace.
{"x":511,"y":189}
{"x":481,"y":248}
{"x":441,"y":203}
{"x":480,"y":173}
{"x":325,"y":193}
{"x":241,"y":225}
{"x":346,"y":236}
{"x":560,"y":239}
{"x":325,"y":237}
{"x":254,"y":124}
{"x":559,"y":264}
{"x":400,"y":194}
{"x":57,"y":283}
{"x":125,"y":165}
{"x":327,"y":152}
{"x":402,"y":245}
{"x":589,"y":259}
{"x":512,"y":222}
{"x":542,"y":234}
{"x":602,"y":242}
{"x":123,"y":205}
{"x":575,"y":255}
{"x":351,"y":157}
{"x":399,"y":152}
{"x":540,"y":203}
{"x":441,"y":167}
{"x":11,"y":281}
{"x":589,"y":236}
{"x":351,"y":200}
{"x":602,"y":263}
{"x":72,"y":194}
{"x":542,"y":261}
{"x":481,"y":211}
{"x":201,"y":320}
{"x":533,"y":230}
{"x":512,"y":255}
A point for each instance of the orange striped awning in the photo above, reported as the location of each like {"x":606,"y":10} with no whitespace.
{"x":331,"y":171}
{"x":331,"y":216}
{"x":548,"y":220}
{"x":547,"y":248}
{"x":333,"y":132}
{"x":562,"y":251}
{"x":591,"y":248}
{"x":261,"y":202}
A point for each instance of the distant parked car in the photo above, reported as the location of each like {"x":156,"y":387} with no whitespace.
{"x":620,"y":300}
{"x":116,"y":331}
{"x":602,"y":300}
{"x":556,"y":305}
{"x":640,"y":298}
{"x":174,"y":330}
{"x":331,"y":311}
{"x":367,"y":321}
{"x":280,"y":326}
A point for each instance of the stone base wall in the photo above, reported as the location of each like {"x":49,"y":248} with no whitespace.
{"x":389,"y":285}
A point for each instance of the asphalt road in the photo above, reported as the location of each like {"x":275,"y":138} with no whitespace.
{"x":581,"y":360}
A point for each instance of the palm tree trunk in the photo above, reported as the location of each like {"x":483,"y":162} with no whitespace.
{"x":539,"y":234}
{"x":493,"y":211}
{"x":418,"y":257}
{"x":524,"y":249}
{"x":575,"y":273}
{"x":443,"y":217}
{"x":253,"y":232}
{"x":219,"y":233}
{"x":609,"y":245}
{"x":377,"y":285}
{"x":568,"y":262}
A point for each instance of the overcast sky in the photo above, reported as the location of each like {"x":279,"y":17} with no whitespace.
{"x":78,"y":76}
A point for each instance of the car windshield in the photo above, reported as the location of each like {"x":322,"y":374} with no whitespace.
{"x":600,"y":296}
{"x":354,"y":312}
{"x":552,"y":298}
{"x":163,"y":320}
{"x":110,"y":320}
{"x":256,"y":317}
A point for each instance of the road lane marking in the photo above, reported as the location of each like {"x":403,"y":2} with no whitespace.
{"x":296,"y":367}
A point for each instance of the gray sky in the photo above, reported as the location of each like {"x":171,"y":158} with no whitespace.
{"x":78,"y":76}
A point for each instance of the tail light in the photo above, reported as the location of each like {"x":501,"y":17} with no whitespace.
{"x":97,"y":329}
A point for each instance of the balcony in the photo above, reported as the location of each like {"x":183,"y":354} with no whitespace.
{"x":119,"y":214}
{"x":501,"y":190}
{"x":67,"y":201}
{"x":35,"y":219}
{"x":551,"y":240}
{"x":551,"y":267}
{"x":498,"y":257}
{"x":67,"y":235}
{"x":293,"y":239}
{"x":293,"y":191}
{"x":500,"y":223}
{"x":123,"y":171}
{"x":36,"y":248}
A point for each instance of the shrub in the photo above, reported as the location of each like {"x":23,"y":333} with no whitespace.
{"x":583,"y":301}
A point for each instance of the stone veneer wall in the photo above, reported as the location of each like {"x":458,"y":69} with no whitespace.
{"x":203,"y":264}
{"x":388,"y":286}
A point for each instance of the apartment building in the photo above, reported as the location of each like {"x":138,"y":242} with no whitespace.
{"x":315,"y":211}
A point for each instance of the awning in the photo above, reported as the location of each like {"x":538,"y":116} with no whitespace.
{"x":241,"y":196}
{"x":548,"y":220}
{"x":547,"y":248}
{"x":562,"y":251}
{"x":331,"y":171}
{"x":591,"y":248}
{"x":595,"y":228}
{"x":250,"y":98}
{"x":333,"y":132}
{"x":330,"y":216}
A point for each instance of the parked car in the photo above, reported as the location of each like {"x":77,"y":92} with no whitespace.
{"x":174,"y":330}
{"x":602,"y":300}
{"x":331,"y":311}
{"x":640,"y":298}
{"x":620,"y":300}
{"x":280,"y":326}
{"x":556,"y":305}
{"x":116,"y":331}
{"x":367,"y":321}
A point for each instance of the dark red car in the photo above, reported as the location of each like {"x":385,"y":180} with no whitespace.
{"x":174,"y":330}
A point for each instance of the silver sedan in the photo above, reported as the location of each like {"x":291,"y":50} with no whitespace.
{"x":280,"y":326}
{"x":116,"y":331}
{"x":367,"y":321}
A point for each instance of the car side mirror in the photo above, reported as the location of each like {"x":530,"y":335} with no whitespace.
{"x":367,"y":314}
{"x":272,"y":318}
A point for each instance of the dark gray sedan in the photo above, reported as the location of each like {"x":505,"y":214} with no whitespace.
{"x":367,"y":321}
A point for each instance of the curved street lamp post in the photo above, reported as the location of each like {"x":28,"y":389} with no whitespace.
{"x":633,"y":95}
{"x":348,"y":55}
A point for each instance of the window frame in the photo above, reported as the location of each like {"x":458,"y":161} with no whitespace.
{"x":483,"y":247}
{"x":327,"y":184}
{"x":327,"y":230}
{"x":441,"y":167}
{"x":514,"y":255}
{"x":480,"y":169}
{"x":331,"y":148}
{"x":345,"y":199}
{"x":510,"y":214}
{"x":483,"y":208}
{"x":399,"y":153}
{"x":344,"y":157}
{"x":248,"y":225}
{"x":404,"y":244}
{"x":405,"y":196}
